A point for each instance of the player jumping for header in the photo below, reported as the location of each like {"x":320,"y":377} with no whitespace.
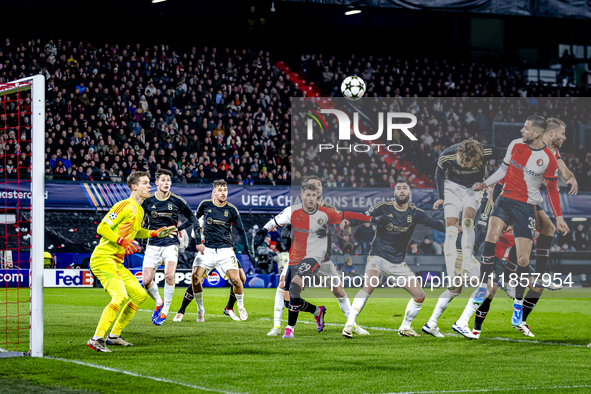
{"x":527,"y":163}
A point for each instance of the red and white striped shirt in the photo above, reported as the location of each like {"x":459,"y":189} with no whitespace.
{"x":306,"y":243}
{"x":526,"y":170}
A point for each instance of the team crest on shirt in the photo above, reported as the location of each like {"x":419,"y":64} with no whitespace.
{"x":409,"y":219}
{"x":540,"y":162}
{"x":170,"y":207}
{"x":113,"y":216}
{"x":209,"y":220}
{"x":389,"y":227}
{"x":320,"y":221}
{"x":154,"y":214}
{"x":226,"y":213}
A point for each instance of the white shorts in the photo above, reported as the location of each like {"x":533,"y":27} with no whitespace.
{"x":386,"y":268}
{"x":327,"y":268}
{"x":457,"y":197}
{"x":156,"y":255}
{"x":222,"y":259}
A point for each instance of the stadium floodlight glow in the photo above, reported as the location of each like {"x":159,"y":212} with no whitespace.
{"x":157,"y":1}
{"x":579,"y":219}
{"x":352,"y":12}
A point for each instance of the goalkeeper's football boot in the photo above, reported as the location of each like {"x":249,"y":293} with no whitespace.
{"x":320,"y":319}
{"x":517,"y":317}
{"x":98,"y":345}
{"x":117,"y":340}
{"x":156,"y":313}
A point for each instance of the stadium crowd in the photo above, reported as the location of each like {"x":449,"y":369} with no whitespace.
{"x":204,"y":114}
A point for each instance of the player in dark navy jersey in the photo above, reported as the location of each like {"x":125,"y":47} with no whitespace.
{"x":162,"y":209}
{"x":458,"y":168}
{"x":388,"y":251}
{"x":217,"y":252}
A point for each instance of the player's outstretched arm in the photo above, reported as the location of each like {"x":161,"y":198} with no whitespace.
{"x":440,"y":182}
{"x":498,"y":176}
{"x":280,"y":220}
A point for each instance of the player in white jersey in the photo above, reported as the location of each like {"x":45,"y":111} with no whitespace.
{"x":326,"y":268}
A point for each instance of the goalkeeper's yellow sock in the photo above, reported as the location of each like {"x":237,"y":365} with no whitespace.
{"x":107,"y":318}
{"x":125,"y":317}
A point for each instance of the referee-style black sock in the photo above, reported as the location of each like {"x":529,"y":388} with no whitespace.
{"x":292,"y":318}
{"x":520,"y":289}
{"x":481,"y":314}
{"x":307,"y":307}
{"x":542,"y":253}
{"x":487,"y":262}
{"x":187,"y":299}
{"x":529,"y":303}
{"x":232,"y":299}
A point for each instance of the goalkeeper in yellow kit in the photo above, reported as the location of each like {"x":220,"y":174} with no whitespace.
{"x":118,"y":230}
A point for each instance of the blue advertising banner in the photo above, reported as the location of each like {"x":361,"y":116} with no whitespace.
{"x":102,"y":196}
{"x":14,"y":278}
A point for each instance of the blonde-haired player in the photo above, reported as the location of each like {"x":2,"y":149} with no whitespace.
{"x":118,"y":229}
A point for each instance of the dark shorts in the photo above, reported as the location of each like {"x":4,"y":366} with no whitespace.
{"x":306,"y":267}
{"x":519,"y":214}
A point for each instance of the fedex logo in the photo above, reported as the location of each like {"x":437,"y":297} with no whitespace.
{"x":73,"y":278}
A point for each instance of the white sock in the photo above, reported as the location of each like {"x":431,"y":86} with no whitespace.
{"x":357,"y":306}
{"x":467,"y":242}
{"x":113,"y":336}
{"x":470,"y":309}
{"x":168,"y":293}
{"x":317,"y":311}
{"x":279,"y":305}
{"x":291,"y":328}
{"x":96,"y":338}
{"x":199,"y":300}
{"x":442,"y":303}
{"x":345,"y":305}
{"x":153,"y":292}
{"x":240,"y":300}
{"x":518,"y":302}
{"x":412,"y":310}
{"x":449,"y":248}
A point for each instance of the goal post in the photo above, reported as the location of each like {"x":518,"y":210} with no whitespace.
{"x":12,"y":97}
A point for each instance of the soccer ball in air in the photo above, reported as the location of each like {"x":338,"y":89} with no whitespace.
{"x":353,"y":88}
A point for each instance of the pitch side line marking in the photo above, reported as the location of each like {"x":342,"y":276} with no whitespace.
{"x":395,"y":330}
{"x":493,"y":389}
{"x":140,"y":376}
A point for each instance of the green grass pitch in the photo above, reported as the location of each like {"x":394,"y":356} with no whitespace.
{"x":221,"y":355}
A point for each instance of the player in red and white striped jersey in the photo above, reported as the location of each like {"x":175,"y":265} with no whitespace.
{"x":308,"y":250}
{"x":527,"y":164}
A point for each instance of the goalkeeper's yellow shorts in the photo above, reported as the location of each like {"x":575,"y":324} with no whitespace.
{"x":105,"y":269}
